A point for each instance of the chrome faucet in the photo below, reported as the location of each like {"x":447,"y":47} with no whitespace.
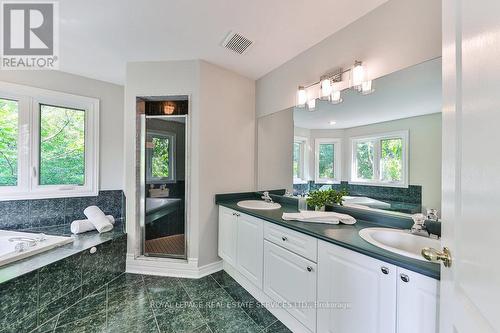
{"x":267,"y":198}
{"x":419,"y":228}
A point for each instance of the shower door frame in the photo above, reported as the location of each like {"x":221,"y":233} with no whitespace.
{"x":187,"y":176}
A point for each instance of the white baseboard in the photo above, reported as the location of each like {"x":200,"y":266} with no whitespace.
{"x":286,"y":318}
{"x":170,"y":267}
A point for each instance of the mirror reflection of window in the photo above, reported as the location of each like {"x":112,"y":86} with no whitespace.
{"x":380,"y":159}
{"x":160,"y":157}
{"x":299,"y":160}
{"x":327,"y":161}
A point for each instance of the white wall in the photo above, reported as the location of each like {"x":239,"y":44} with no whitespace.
{"x":396,"y":35}
{"x":424,"y":151}
{"x":111,"y":115}
{"x":221,"y":148}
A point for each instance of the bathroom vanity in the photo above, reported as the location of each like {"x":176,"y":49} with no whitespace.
{"x":325,"y":278}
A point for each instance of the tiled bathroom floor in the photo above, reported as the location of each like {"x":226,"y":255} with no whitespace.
{"x":141,"y":303}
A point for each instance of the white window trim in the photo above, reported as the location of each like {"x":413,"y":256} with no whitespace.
{"x":336,"y":163}
{"x":29,"y":99}
{"x":171,"y":159}
{"x":304,"y":160}
{"x":377,"y":137}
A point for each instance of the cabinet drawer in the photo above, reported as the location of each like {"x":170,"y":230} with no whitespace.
{"x":290,"y":280}
{"x":296,"y":242}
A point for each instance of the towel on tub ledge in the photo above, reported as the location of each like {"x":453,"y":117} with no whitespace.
{"x":98,"y":219}
{"x":81,"y":226}
{"x":319,"y":217}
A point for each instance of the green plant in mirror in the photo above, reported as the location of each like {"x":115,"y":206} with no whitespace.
{"x":318,"y":199}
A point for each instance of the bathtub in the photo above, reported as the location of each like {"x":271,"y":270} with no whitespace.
{"x":31,"y":243}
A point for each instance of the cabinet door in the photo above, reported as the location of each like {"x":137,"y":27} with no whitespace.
{"x":227,"y":235}
{"x":417,"y":302}
{"x":249,"y":248}
{"x":356,"y":293}
{"x":291,"y":280}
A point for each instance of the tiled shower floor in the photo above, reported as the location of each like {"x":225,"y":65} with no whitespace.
{"x":141,"y":303}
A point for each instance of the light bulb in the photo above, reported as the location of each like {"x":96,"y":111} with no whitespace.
{"x":366,"y":87}
{"x":301,"y":97}
{"x":333,"y":122}
{"x":335,"y":97}
{"x":358,"y":74}
{"x":311,"y":104}
{"x":326,"y":89}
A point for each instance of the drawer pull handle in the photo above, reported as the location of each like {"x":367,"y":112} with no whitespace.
{"x":284,"y":239}
{"x":384,"y":270}
{"x":309,"y":269}
{"x":404,"y":277}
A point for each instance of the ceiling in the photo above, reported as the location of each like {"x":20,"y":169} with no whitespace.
{"x":410,"y":92}
{"x":98,"y":38}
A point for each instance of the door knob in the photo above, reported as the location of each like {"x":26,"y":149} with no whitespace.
{"x":432,"y":254}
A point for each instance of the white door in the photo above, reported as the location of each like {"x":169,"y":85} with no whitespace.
{"x":291,"y":279}
{"x":249,"y":249}
{"x":227,"y":235}
{"x":417,"y":302}
{"x":356,"y":293}
{"x":470,"y":288}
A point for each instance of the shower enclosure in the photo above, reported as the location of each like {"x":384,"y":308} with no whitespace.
{"x":163,"y":175}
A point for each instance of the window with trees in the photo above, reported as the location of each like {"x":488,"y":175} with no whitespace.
{"x":160,"y":152}
{"x":48,"y":143}
{"x":327,"y":162}
{"x":381,"y":159}
{"x":299,"y":160}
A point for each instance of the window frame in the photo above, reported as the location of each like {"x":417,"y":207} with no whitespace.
{"x":303,"y":162}
{"x":29,"y":101}
{"x":376,"y":139}
{"x":337,"y":160}
{"x":171,"y":159}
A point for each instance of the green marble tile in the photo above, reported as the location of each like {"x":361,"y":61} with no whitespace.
{"x":59,"y":278}
{"x":24,"y":325}
{"x":95,"y":323}
{"x":165,"y":292}
{"x":132,"y":315}
{"x":277,"y":327}
{"x":47,"y":311}
{"x":223,"y":314}
{"x":255,"y":310}
{"x":47,"y":326}
{"x":18,"y":299}
{"x":86,"y":307}
{"x":201,"y":289}
{"x":202,"y":329}
{"x":224,"y":279}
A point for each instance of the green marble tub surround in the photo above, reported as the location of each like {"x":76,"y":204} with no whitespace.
{"x":37,"y":296}
{"x":343,"y":235}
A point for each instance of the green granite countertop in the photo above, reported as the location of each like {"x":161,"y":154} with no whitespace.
{"x":81,"y":242}
{"x":340,"y":234}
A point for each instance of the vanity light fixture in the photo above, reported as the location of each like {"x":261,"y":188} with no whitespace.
{"x":301,"y":97}
{"x":329,"y":86}
{"x":311,"y":104}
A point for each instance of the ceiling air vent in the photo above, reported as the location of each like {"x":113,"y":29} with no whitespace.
{"x":236,"y":42}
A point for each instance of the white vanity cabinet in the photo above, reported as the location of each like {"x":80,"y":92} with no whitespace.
{"x":356,"y":293}
{"x":227,"y":235}
{"x":353,"y":293}
{"x":241,"y":243}
{"x":290,"y":279}
{"x":417,"y":303}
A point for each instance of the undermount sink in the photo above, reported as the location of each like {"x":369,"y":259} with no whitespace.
{"x":399,"y":241}
{"x":258,"y":205}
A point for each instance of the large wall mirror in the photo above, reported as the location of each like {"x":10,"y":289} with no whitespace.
{"x":383,"y":148}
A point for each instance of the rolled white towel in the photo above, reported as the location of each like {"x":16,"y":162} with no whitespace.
{"x":98,"y":219}
{"x":81,"y":226}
